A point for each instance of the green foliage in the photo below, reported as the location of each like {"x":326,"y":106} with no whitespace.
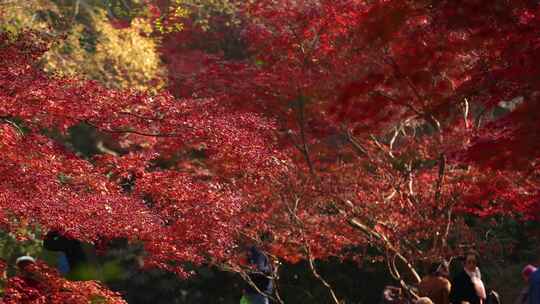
{"x":244,"y":300}
{"x":98,"y":300}
{"x":106,"y":272}
{"x":13,"y":246}
{"x":202,"y":11}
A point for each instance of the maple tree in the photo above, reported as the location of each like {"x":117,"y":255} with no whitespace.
{"x":315,"y":129}
{"x":41,"y":284}
{"x":408,"y":86}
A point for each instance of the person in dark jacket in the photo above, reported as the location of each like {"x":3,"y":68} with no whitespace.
{"x":534,"y":287}
{"x":524,"y":294}
{"x":260,"y":277}
{"x":467,"y":286}
{"x":71,"y":251}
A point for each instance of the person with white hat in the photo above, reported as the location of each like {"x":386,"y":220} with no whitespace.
{"x":23,"y":261}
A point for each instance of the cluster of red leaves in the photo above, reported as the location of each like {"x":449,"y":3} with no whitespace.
{"x":338,"y":111}
{"x":182,"y":212}
{"x":432,"y":71}
{"x":40,"y":285}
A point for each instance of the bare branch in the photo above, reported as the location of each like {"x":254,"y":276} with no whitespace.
{"x":449,"y":214}
{"x":318,"y":276}
{"x":13,"y":124}
{"x":312,"y":267}
{"x":248,"y":279}
{"x":356,"y":223}
{"x":76,"y":9}
{"x":301,"y":124}
{"x":410,"y":178}
{"x":139,"y":116}
{"x":380,"y":146}
{"x":394,"y":137}
{"x":440,"y":179}
{"x":100,"y":145}
{"x":396,"y":101}
{"x":466,"y":113}
{"x":356,"y":145}
{"x":131,"y":131}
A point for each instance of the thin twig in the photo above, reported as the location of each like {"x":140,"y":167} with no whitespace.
{"x":356,"y":145}
{"x":440,"y":179}
{"x":356,"y":223}
{"x":121,"y":131}
{"x":311,"y":262}
{"x":13,"y":124}
{"x":301,"y":123}
{"x":466,"y":113}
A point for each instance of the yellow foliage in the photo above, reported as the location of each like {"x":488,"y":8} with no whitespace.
{"x":123,"y":58}
{"x":16,"y":15}
{"x":94,"y":49}
{"x":172,"y":23}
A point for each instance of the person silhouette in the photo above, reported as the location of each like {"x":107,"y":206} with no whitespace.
{"x":260,"y":277}
{"x":71,"y":251}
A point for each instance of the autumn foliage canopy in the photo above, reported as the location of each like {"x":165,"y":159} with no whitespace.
{"x":311,"y":128}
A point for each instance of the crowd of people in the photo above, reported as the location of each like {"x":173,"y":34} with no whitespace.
{"x":467,"y":286}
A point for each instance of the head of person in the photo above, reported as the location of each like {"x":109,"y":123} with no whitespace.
{"x":527,"y":271}
{"x":471,"y":261}
{"x":23,"y":264}
{"x":439,"y":268}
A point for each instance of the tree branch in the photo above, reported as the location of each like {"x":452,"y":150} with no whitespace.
{"x":311,"y":262}
{"x":440,"y":179}
{"x":131,"y":131}
{"x":13,"y":124}
{"x":301,"y":124}
{"x":356,"y":223}
{"x":356,"y":145}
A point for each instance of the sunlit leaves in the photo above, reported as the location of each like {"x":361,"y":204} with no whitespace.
{"x":41,"y":284}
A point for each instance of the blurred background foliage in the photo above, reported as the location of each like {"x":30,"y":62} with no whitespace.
{"x":94,"y":42}
{"x":125,"y":44}
{"x":203,"y":11}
